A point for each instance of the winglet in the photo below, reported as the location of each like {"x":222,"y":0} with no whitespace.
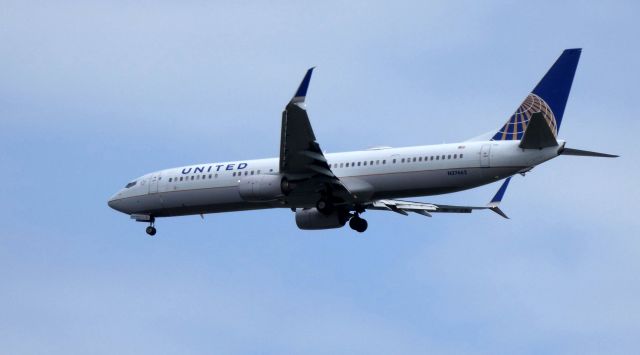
{"x":495,"y":201}
{"x":301,"y":93}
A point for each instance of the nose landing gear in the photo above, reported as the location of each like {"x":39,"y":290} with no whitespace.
{"x":151,"y":230}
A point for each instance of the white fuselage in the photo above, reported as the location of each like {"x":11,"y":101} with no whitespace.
{"x":375,"y":174}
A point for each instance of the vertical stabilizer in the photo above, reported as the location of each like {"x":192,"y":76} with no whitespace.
{"x":549,"y":97}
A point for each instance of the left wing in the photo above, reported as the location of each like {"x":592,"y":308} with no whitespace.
{"x":302,"y":162}
{"x":425,"y":209}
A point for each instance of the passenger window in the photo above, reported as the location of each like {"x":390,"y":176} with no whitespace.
{"x":402,"y":160}
{"x":377,"y":162}
{"x":460,"y":156}
{"x":437,"y":157}
{"x":384,"y":162}
{"x":359,"y":163}
{"x":347,"y":165}
{"x":365,"y":163}
{"x":270,"y":170}
{"x":455,"y":156}
{"x":233,"y":174}
{"x":246,"y":173}
{"x":192,"y":177}
{"x":431,"y":158}
{"x":341,"y":165}
{"x":449,"y":156}
{"x":420,"y":159}
{"x":169,"y":179}
{"x":258,"y":172}
{"x":394,"y":161}
{"x":210,"y":176}
{"x":443,"y":157}
{"x":371,"y":162}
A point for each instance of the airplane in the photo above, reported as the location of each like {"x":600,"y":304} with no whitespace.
{"x":330,"y":190}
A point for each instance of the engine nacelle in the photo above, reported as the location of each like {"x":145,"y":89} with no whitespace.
{"x":311,"y":218}
{"x":258,"y":188}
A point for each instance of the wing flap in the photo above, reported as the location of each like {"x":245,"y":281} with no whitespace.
{"x":425,"y":209}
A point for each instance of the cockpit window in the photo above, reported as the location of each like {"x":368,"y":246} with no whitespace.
{"x":132,"y":183}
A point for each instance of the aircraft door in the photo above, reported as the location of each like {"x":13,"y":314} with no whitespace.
{"x":485,"y":156}
{"x":153,"y":184}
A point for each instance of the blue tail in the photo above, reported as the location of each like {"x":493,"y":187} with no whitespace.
{"x":549,"y":97}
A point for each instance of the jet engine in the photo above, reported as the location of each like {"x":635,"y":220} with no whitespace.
{"x":258,"y":188}
{"x":311,"y":218}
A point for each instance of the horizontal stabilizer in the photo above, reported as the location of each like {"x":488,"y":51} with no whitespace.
{"x":585,"y":153}
{"x":538,"y":134}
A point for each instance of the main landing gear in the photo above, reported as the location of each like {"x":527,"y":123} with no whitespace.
{"x":324,"y":206}
{"x":358,"y":223}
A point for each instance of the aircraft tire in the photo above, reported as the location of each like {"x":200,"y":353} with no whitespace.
{"x":358,"y":224}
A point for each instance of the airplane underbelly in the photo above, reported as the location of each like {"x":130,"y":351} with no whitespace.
{"x":206,"y":200}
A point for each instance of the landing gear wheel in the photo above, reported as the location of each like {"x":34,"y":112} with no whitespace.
{"x":358,"y":224}
{"x":151,"y":230}
{"x":324,"y":206}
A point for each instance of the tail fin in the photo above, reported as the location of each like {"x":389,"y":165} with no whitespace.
{"x":548,"y":97}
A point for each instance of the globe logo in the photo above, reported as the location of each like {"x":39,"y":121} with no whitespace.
{"x":517,"y":124}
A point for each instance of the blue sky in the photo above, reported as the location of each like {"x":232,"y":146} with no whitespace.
{"x":93,"y":94}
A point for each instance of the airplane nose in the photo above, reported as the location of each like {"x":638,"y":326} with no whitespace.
{"x":115,"y":202}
